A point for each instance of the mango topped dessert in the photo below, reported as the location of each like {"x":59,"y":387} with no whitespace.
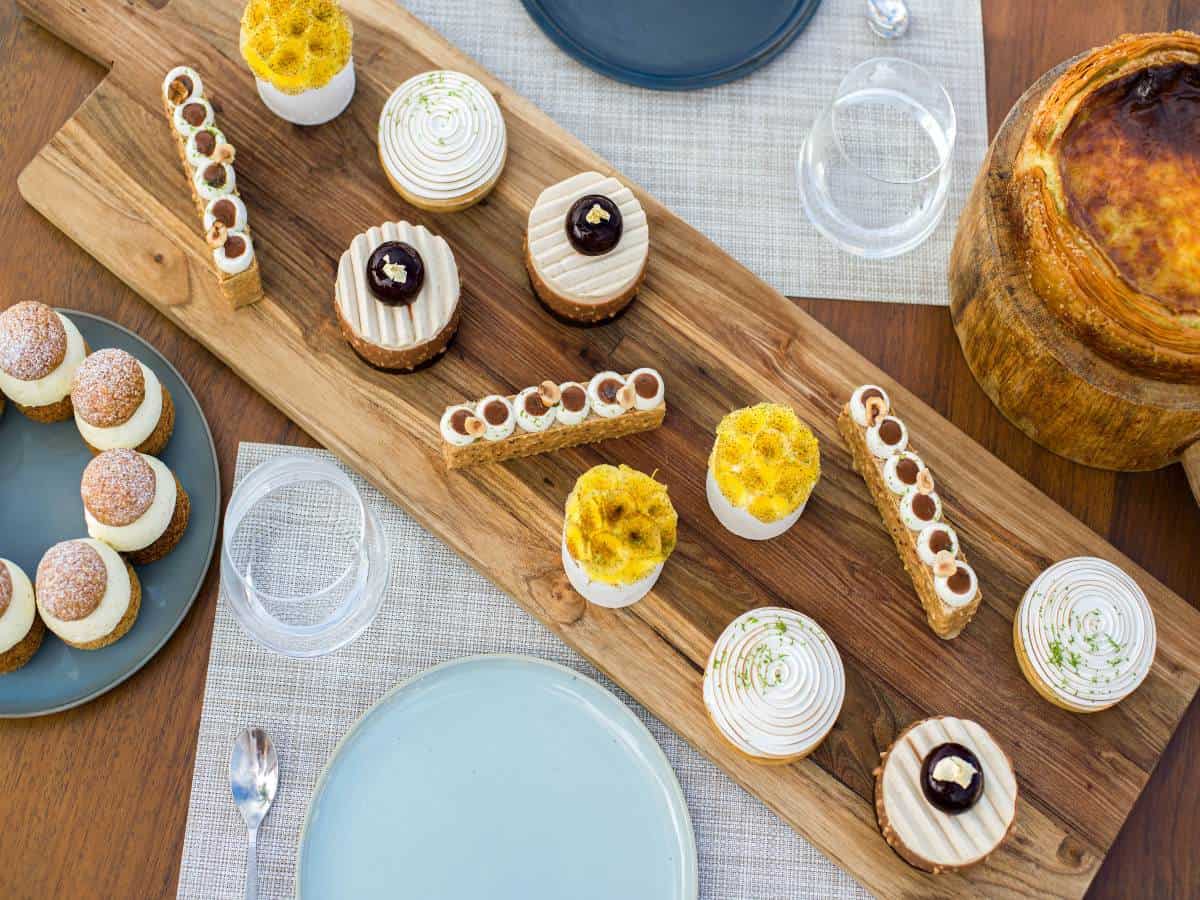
{"x":763,"y":467}
{"x":620,"y":528}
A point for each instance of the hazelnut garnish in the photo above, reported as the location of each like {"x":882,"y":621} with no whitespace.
{"x":627,"y":396}
{"x":549,"y":393}
{"x":474,"y":426}
{"x":177,"y":92}
{"x":217,"y":235}
{"x":925,"y":481}
{"x":944,"y":564}
{"x":224,"y":153}
{"x":875,"y":408}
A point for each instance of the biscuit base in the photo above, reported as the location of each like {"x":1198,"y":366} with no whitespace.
{"x":575,"y":310}
{"x":454,"y":204}
{"x":557,"y":437}
{"x":1035,"y":681}
{"x":945,"y":621}
{"x":127,"y":620}
{"x":906,"y":853}
{"x":22,"y":651}
{"x":397,"y":359}
{"x":51,"y":412}
{"x":167,"y":541}
{"x":157,"y":441}
{"x":768,"y":760}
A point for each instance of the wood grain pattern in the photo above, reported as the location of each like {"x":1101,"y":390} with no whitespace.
{"x":121,"y":832}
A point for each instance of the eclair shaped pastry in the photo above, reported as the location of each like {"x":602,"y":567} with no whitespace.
{"x":208,"y":164}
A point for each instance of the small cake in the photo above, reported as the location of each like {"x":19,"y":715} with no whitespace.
{"x":21,"y":630}
{"x":774,"y":685}
{"x":551,"y":416}
{"x":1084,"y":634}
{"x":40,"y":349}
{"x":618,"y":532}
{"x":119,"y":402}
{"x":945,"y":794}
{"x":396,"y":296}
{"x":87,"y":594}
{"x":301,"y":55}
{"x":762,"y":470}
{"x":442,"y":141}
{"x":586,"y":247}
{"x":135,"y":504}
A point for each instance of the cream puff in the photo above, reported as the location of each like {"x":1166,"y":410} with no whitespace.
{"x":40,"y":351}
{"x":87,"y":594}
{"x":119,"y":402}
{"x":21,"y":630}
{"x":135,"y":504}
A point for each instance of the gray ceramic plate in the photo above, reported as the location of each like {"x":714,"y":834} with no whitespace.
{"x":40,"y":467}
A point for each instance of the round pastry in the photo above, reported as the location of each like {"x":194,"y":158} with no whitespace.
{"x":215,"y":180}
{"x":442,"y":141}
{"x":619,"y":530}
{"x":192,"y":115}
{"x":920,"y":508}
{"x":87,"y":594}
{"x":135,"y":504}
{"x":460,"y":426}
{"x":608,"y":395}
{"x":497,"y":416}
{"x":648,"y":390}
{"x":945,"y":794}
{"x":575,"y":403}
{"x":537,"y":407}
{"x":181,"y":84}
{"x":40,"y":351}
{"x":119,"y":402}
{"x":1084,"y":634}
{"x":901,"y":471}
{"x":887,"y":436}
{"x":934,"y":539}
{"x":586,"y":247}
{"x":763,"y":467}
{"x":774,"y":684}
{"x":21,"y":630}
{"x":201,"y":146}
{"x":230,"y":211}
{"x":233,"y":251}
{"x":862,"y":410}
{"x":397,"y":295}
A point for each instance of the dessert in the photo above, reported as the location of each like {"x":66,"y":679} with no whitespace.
{"x":764,"y":464}
{"x":442,"y":141}
{"x":1084,"y":634}
{"x":87,"y":594}
{"x":586,"y":247}
{"x":119,"y":402}
{"x":300,"y":54}
{"x":396,"y":296}
{"x":135,"y":504}
{"x":618,"y":531}
{"x":774,"y":685}
{"x":552,"y":416}
{"x":21,"y":631}
{"x":945,"y":794}
{"x":40,"y":350}
{"x":208,"y":164}
{"x":904,"y":493}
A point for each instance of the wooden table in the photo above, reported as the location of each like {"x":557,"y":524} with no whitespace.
{"x":94,"y":800}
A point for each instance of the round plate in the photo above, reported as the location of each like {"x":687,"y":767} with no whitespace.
{"x":669,"y":46}
{"x":504,"y":777}
{"x":40,"y":468}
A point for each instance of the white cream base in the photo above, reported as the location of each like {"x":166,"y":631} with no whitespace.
{"x":153,"y":522}
{"x":739,"y":521}
{"x":56,"y":385}
{"x":132,"y":432}
{"x":111,"y":609}
{"x":611,"y":595}
{"x":314,"y":107}
{"x":18,"y":617}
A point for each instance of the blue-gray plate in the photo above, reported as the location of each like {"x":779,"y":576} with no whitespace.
{"x":671,"y":46}
{"x":40,"y":468}
{"x":505,"y":777}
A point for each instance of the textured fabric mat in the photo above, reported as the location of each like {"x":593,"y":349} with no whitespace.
{"x":724,"y":158}
{"x":437,"y":608}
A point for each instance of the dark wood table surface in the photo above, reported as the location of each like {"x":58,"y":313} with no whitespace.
{"x":93,"y":801}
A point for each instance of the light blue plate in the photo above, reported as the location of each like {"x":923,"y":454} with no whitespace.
{"x":498,"y":777}
{"x":40,"y":468}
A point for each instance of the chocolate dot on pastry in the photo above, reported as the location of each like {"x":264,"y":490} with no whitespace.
{"x":235,"y":246}
{"x":395,"y":273}
{"x":225,"y":212}
{"x":205,"y":142}
{"x":646,"y":385}
{"x":951,"y":778}
{"x":458,"y":420}
{"x":906,"y":470}
{"x":573,"y":398}
{"x":939,"y":540}
{"x":496,"y":413}
{"x":194,"y":114}
{"x":890,"y":432}
{"x":608,"y":389}
{"x":214,"y":175}
{"x":960,"y":581}
{"x":534,"y":405}
{"x":594,"y":225}
{"x":924,"y":507}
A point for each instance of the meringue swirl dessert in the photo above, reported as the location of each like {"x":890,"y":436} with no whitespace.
{"x":119,"y":402}
{"x":87,"y":594}
{"x":135,"y":504}
{"x":774,"y":684}
{"x":442,"y":141}
{"x":1084,"y":634}
{"x":40,"y":349}
{"x":619,"y":530}
{"x":21,"y":629}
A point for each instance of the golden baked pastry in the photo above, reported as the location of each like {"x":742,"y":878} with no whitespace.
{"x":1107,"y":185}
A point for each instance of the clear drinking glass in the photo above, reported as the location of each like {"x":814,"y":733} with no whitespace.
{"x":304,"y":560}
{"x":874,"y":171}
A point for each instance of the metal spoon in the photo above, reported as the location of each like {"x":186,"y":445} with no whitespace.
{"x":253,"y":776}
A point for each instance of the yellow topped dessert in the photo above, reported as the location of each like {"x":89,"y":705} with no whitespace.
{"x":295,"y":45}
{"x":620,"y":524}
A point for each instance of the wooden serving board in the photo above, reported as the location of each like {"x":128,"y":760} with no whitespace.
{"x":110,"y":179}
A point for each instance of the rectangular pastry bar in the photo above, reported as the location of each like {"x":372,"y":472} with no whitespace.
{"x":208,"y":165}
{"x":552,"y":416}
{"x":903,"y":490}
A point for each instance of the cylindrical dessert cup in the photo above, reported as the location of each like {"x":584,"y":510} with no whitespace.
{"x":311,"y":107}
{"x":613,"y":596}
{"x":740,"y":521}
{"x":1035,"y":682}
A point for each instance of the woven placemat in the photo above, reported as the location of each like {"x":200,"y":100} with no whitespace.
{"x":437,"y":608}
{"x":724,"y":158}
